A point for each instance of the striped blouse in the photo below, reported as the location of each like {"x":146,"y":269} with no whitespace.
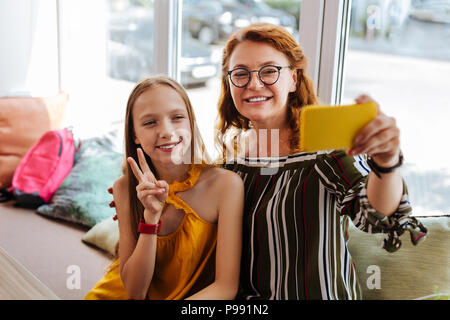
{"x":296,"y":216}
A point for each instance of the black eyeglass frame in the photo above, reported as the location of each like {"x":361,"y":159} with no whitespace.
{"x":259,"y":74}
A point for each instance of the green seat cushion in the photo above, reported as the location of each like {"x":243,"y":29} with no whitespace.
{"x":411,"y":272}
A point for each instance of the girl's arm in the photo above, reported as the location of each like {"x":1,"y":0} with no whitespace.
{"x":137,"y":258}
{"x":229,"y":240}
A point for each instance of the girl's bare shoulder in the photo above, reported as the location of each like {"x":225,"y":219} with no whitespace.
{"x":219,"y":177}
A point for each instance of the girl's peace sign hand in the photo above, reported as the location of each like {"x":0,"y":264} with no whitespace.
{"x":151,"y":192}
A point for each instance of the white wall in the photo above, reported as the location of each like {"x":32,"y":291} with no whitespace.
{"x":28,"y":48}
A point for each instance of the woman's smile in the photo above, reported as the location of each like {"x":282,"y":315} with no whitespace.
{"x":257,"y":100}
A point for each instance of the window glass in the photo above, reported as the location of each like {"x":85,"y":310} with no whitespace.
{"x":130,"y":41}
{"x":107,"y":46}
{"x":399,"y":53}
{"x":206,"y":25}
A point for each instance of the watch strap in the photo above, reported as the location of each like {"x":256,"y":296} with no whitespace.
{"x":149,"y":228}
{"x":378,"y":170}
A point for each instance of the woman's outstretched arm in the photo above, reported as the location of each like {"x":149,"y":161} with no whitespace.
{"x":380,"y":139}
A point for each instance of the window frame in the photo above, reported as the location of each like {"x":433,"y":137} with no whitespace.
{"x":167,"y":40}
{"x":324,"y":27}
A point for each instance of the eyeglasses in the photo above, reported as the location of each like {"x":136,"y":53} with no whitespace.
{"x":240,"y":77}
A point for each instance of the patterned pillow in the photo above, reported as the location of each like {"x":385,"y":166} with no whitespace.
{"x":104,"y":235}
{"x":83,"y":196}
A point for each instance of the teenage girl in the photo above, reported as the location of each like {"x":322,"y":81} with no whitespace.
{"x":180,"y":220}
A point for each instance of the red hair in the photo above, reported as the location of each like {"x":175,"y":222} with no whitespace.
{"x":283,"y":41}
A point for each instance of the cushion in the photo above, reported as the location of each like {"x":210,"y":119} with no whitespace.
{"x":83,"y":196}
{"x":22,"y":122}
{"x":104,"y":235}
{"x":412,"y":272}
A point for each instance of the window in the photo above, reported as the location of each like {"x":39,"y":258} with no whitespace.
{"x":399,"y":53}
{"x":105,"y":48}
{"x":130,"y":41}
{"x":395,"y":50}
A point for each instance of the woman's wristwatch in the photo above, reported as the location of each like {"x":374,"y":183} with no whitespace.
{"x":381,"y":170}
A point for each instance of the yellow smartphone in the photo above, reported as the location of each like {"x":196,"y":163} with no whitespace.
{"x":333,"y":127}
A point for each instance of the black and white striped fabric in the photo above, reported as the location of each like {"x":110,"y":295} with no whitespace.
{"x":297,"y":211}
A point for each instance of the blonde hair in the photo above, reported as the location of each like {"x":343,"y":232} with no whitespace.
{"x":197,"y":147}
{"x":229,"y":119}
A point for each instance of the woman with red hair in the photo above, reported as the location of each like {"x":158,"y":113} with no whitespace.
{"x":298,"y":205}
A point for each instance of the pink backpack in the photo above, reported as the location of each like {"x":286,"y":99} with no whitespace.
{"x":43,"y":168}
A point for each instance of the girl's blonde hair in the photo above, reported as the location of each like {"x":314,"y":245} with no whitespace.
{"x":198,"y":152}
{"x":229,"y":119}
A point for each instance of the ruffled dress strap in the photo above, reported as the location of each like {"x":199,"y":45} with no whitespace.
{"x":177,"y":186}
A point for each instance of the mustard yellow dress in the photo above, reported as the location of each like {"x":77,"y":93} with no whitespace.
{"x":185,"y":259}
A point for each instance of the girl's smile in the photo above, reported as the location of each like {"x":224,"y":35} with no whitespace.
{"x":169,"y":147}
